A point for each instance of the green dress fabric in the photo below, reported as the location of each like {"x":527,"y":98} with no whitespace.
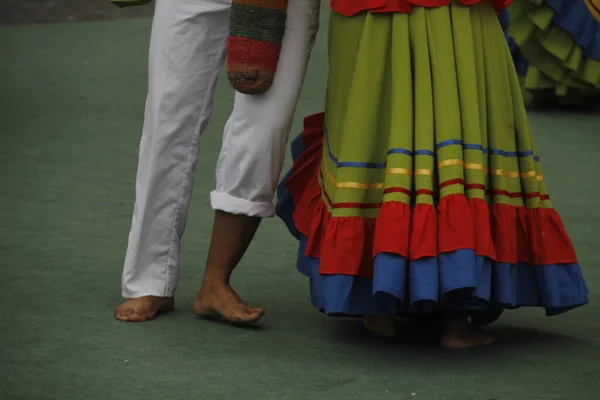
{"x":557,"y":61}
{"x":420,"y":186}
{"x":430,"y":81}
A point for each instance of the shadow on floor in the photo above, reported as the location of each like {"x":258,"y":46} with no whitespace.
{"x":421,"y":337}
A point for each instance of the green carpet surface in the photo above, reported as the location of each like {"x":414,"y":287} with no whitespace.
{"x":71,"y":108}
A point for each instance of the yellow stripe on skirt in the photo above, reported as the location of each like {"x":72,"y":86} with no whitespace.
{"x":426,"y":104}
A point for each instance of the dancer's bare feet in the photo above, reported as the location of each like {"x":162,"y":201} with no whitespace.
{"x":220,"y":301}
{"x":458,"y":334}
{"x":143,"y":308}
{"x":382,"y":326}
{"x":231,"y":237}
{"x":471,"y":337}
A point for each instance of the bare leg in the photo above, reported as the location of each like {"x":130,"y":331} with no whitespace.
{"x":216,"y":298}
{"x":457,"y":333}
{"x":382,"y":326}
{"x":250,"y":162}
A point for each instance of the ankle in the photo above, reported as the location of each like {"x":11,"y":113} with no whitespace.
{"x":214,"y":283}
{"x":455,"y":321}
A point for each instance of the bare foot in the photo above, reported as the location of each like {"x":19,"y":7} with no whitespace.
{"x":471,"y":337}
{"x":143,"y":308}
{"x":458,"y":333}
{"x":220,"y":301}
{"x":382,"y":326}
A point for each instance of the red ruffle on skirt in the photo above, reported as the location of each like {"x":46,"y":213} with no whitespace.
{"x":348,"y":245}
{"x":352,"y":7}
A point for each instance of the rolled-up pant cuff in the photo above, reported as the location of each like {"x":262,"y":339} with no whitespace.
{"x":234,"y":205}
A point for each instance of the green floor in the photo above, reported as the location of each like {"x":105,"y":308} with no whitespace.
{"x":71,"y":103}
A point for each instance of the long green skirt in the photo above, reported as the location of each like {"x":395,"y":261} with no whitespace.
{"x":420,"y":187}
{"x":560,"y":46}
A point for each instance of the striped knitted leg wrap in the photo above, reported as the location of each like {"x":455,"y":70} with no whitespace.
{"x":254,"y":45}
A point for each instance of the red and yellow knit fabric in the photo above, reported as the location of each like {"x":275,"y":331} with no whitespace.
{"x":256,"y":33}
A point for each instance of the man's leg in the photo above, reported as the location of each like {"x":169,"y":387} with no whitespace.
{"x":187,"y":51}
{"x":250,"y":163}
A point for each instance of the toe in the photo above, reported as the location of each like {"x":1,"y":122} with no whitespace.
{"x":247,"y":315}
{"x":123,"y":313}
{"x":260,"y":311}
{"x":223,"y":301}
{"x":251,"y":318}
{"x":490,"y":339}
{"x":135,"y":317}
{"x":128,"y":317}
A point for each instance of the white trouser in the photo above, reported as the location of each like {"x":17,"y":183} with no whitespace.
{"x":187,"y":51}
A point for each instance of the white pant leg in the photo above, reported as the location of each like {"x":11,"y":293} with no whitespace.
{"x":187,"y":50}
{"x":256,"y":133}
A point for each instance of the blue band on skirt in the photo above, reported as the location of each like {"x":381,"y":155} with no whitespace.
{"x":459,"y":279}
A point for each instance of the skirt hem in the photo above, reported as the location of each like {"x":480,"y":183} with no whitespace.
{"x":385,"y":266}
